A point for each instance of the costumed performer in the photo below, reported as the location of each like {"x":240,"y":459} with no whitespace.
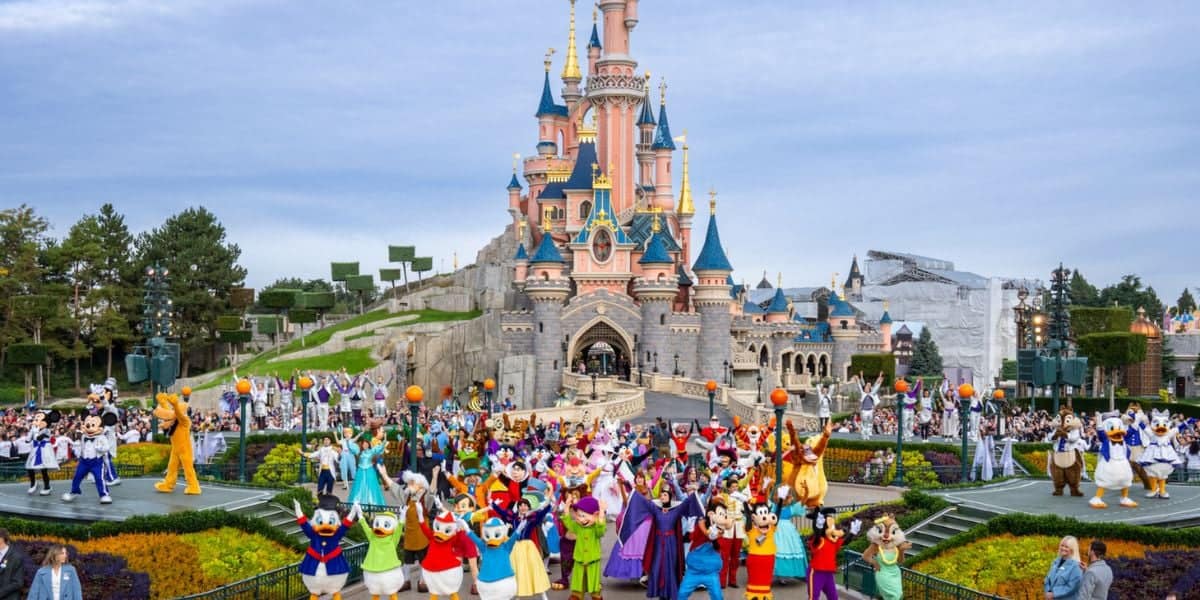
{"x":91,"y":451}
{"x":173,"y":419}
{"x":496,"y":580}
{"x":41,"y":455}
{"x":587,"y":524}
{"x":367,"y":489}
{"x":885,"y":554}
{"x":664,"y":565}
{"x":826,"y":541}
{"x":1113,"y":471}
{"x":704,"y":562}
{"x":441,"y":569}
{"x":324,"y":570}
{"x":1160,"y":457}
{"x":383,"y":572}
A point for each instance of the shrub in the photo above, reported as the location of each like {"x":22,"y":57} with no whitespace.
{"x":280,"y":465}
{"x":918,"y":472}
{"x":228,"y":554}
{"x":947,"y":466}
{"x":152,"y":457}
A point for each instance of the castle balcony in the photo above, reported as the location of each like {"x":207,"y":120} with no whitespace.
{"x":745,"y":360}
{"x":797,"y":381}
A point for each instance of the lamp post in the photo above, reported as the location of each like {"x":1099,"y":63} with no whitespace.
{"x":779,"y":398}
{"x":593,"y":387}
{"x":676,"y":373}
{"x":901,"y":387}
{"x":711,"y":386}
{"x":656,"y":362}
{"x":726,"y":363}
{"x":156,"y":325}
{"x":306,"y":384}
{"x":414,"y":394}
{"x":965,"y":391}
{"x":640,"y":368}
{"x":489,"y":385}
{"x":759,"y":378}
{"x":243,"y":390}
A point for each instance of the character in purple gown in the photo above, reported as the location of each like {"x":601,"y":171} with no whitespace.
{"x":664,"y":556}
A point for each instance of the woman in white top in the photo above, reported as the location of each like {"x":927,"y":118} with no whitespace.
{"x":56,"y":580}
{"x":1192,"y":461}
{"x":824,"y":406}
{"x":870,"y":398}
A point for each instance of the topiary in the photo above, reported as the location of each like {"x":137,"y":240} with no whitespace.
{"x":280,"y":465}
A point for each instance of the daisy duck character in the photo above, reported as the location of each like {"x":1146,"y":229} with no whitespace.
{"x":324,"y":570}
{"x":826,"y":541}
{"x":1113,"y":470}
{"x":1160,"y":457}
{"x":383,"y":572}
{"x":92,"y":451}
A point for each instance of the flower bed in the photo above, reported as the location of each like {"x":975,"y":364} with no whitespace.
{"x":1035,"y":461}
{"x":175,"y":565}
{"x":152,"y":457}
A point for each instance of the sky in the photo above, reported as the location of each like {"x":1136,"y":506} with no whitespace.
{"x":1005,"y":136}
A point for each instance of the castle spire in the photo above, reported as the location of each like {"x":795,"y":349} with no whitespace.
{"x":712,"y":255}
{"x":595,"y":41}
{"x":571,"y":67}
{"x":685,"y":192}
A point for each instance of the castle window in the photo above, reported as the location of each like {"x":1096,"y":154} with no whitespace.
{"x":845,"y":325}
{"x":539,"y":326}
{"x":662,"y":319}
{"x":585,"y":209}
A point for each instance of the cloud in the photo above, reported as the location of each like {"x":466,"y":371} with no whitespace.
{"x":60,"y":15}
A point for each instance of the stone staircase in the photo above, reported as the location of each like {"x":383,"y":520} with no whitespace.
{"x":944,"y":525}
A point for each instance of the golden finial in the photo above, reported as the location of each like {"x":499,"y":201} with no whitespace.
{"x":601,"y":181}
{"x":546,"y":212}
{"x":685,"y":184}
{"x":779,"y":280}
{"x":595,"y":13}
{"x":571,"y":68}
{"x":662,"y":92}
{"x":833,"y":282}
{"x":521,"y":229}
{"x":655,"y":226}
{"x":587,"y":132}
{"x":549,"y":53}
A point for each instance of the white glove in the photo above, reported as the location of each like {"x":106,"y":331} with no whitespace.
{"x":356,"y":512}
{"x":820,"y":522}
{"x":783,"y":492}
{"x":855,"y":527}
{"x":296,"y":507}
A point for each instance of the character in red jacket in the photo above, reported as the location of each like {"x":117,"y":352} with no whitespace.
{"x":827,"y":540}
{"x":441,"y":569}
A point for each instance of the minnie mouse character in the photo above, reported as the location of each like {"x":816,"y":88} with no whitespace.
{"x":41,"y":456}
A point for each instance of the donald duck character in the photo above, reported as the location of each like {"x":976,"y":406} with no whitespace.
{"x":383,"y":573}
{"x":324,"y":570}
{"x":497,"y":580}
{"x":1113,"y":470}
{"x":441,"y":569}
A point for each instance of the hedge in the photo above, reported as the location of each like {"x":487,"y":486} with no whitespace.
{"x":241,"y":297}
{"x":270,"y":324}
{"x":239,"y":336}
{"x":389,"y":274}
{"x":317,"y":300}
{"x":360,"y":283}
{"x":184,"y":522}
{"x":279,"y":298}
{"x":1092,"y":405}
{"x":1113,"y":349}
{"x":399,"y":254}
{"x":27,"y":354}
{"x":871,"y":364}
{"x":340,"y":271}
{"x":1054,"y":525}
{"x":421,"y":264}
{"x":302,"y":316}
{"x":1088,"y":319}
{"x":229,"y":322}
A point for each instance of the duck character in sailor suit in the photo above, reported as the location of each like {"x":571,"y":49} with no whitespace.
{"x":441,"y":569}
{"x":826,"y":541}
{"x":324,"y":570}
{"x":1135,"y":430}
{"x":172,"y":413}
{"x":92,"y":451}
{"x":497,"y":580}
{"x":1160,"y":457}
{"x":383,"y":573}
{"x":1113,"y":471}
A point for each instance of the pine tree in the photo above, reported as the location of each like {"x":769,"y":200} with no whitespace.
{"x":925,"y":361}
{"x":1129,"y":292}
{"x":1082,"y":293}
{"x":1186,"y":303}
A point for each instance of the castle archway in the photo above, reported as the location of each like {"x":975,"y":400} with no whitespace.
{"x":603,"y":348}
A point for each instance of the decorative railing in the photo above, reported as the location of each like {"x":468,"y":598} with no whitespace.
{"x":859,"y":576}
{"x":283,"y":583}
{"x":15,"y":471}
{"x":745,"y":360}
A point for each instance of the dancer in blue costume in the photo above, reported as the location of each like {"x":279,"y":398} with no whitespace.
{"x":791,"y":561}
{"x":367,"y":489}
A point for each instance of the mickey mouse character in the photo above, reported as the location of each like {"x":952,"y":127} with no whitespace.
{"x":92,"y":451}
{"x":41,"y":457}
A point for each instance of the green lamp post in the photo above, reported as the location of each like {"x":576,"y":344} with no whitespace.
{"x":901,"y":387}
{"x":965,"y":392}
{"x":306,"y":384}
{"x":415,"y":395}
{"x":779,"y":398}
{"x":711,"y":386}
{"x":243,"y":390}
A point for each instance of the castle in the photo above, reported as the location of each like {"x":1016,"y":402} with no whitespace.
{"x":603,"y":272}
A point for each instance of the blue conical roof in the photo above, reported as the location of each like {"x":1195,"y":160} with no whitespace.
{"x":656,"y":252}
{"x":581,"y":173}
{"x":547,"y":105}
{"x":885,"y":319}
{"x":514,"y":184}
{"x":838,"y":308}
{"x":521,"y":253}
{"x":595,"y":41}
{"x":662,"y":136}
{"x":778,"y":303}
{"x":712,"y":255}
{"x":647,"y":115}
{"x":547,"y":252}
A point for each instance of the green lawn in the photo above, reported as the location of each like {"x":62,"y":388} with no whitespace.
{"x":354,"y":360}
{"x":260,"y":363}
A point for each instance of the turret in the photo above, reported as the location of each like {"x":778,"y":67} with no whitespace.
{"x":854,"y":282}
{"x":514,"y":192}
{"x":616,"y":32}
{"x":571,"y":75}
{"x":779,"y":310}
{"x":552,"y":117}
{"x":655,"y":291}
{"x":662,"y":146}
{"x":547,"y":288}
{"x":521,"y":259}
{"x":645,"y":154}
{"x":593,"y":48}
{"x":844,"y":328}
{"x":712,"y":300}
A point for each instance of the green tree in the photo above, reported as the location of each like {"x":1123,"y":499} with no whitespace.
{"x":292,"y":283}
{"x":1186,"y":303}
{"x":925,"y":361}
{"x":1111,"y":351}
{"x":22,"y":234}
{"x":1082,"y":293}
{"x":1129,"y":292}
{"x":202,"y":268}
